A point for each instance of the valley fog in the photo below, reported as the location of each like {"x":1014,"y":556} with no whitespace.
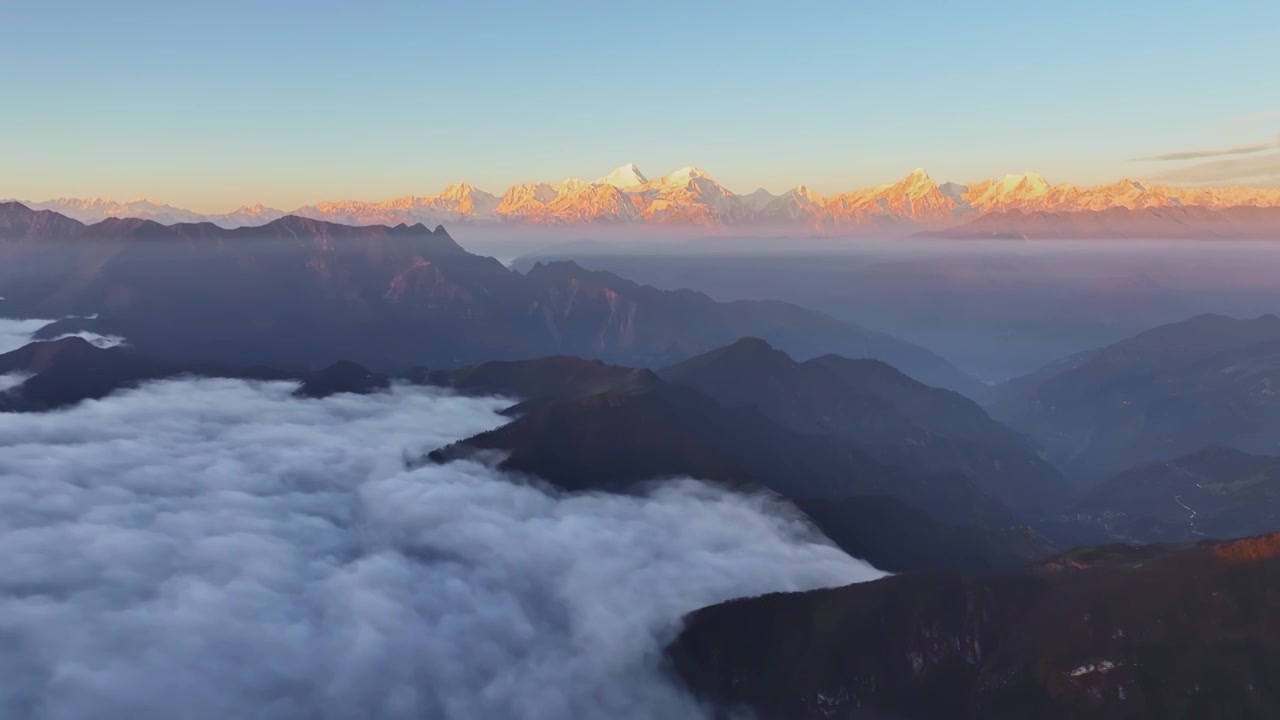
{"x":223,"y":549}
{"x":997,"y":309}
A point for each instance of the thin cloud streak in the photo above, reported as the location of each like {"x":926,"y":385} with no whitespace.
{"x":8,"y":381}
{"x":1200,"y":154}
{"x":1266,"y":167}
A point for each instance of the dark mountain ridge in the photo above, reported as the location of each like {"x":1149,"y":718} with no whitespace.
{"x":1165,"y":632}
{"x":619,"y":430}
{"x":880,"y":411}
{"x":66,"y":371}
{"x":1217,"y":493}
{"x":586,"y":426}
{"x":1210,"y":381}
{"x":18,"y":222}
{"x":299,"y":293}
{"x":63,"y":372}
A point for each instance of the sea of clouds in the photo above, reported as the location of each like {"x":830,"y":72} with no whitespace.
{"x":15,"y":332}
{"x":220,"y":549}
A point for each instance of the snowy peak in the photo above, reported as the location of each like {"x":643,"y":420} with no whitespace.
{"x":462,"y":198}
{"x":690,"y":197}
{"x":538,"y":192}
{"x":96,"y":209}
{"x":759,"y":199}
{"x":803,"y":192}
{"x":682,"y":177}
{"x":572,"y":185}
{"x":624,"y":176}
{"x":526,"y":200}
{"x":457,"y":191}
{"x":917,"y":183}
{"x":799,"y":204}
{"x":1027,"y":182}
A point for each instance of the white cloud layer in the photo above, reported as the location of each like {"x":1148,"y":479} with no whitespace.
{"x":14,"y":333}
{"x":102,"y":341}
{"x":219,"y":549}
{"x":11,"y":380}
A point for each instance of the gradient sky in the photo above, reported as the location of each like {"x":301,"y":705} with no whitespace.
{"x":209,"y":105}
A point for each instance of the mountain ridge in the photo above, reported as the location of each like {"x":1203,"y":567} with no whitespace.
{"x":587,"y":426}
{"x":871,"y":406}
{"x":1173,"y":631}
{"x":386,"y":297}
{"x":1208,"y":381}
{"x":691,"y":197}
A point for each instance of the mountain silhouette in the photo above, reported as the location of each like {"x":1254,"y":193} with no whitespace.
{"x":300,"y":294}
{"x":1178,"y":632}
{"x":620,"y":430}
{"x":880,"y":411}
{"x":1210,"y":381}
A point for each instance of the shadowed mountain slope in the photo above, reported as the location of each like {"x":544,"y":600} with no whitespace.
{"x":1211,"y":381}
{"x":880,"y":411}
{"x":641,"y":428}
{"x":1215,"y":493}
{"x":1172,"y":632}
{"x":298,"y":293}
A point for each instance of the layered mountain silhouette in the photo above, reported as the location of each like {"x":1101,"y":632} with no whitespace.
{"x":1215,"y":493}
{"x":63,"y":372}
{"x":60,"y":373}
{"x":1021,"y":205}
{"x":298,"y":293}
{"x":873,"y":407}
{"x":1172,"y":632}
{"x":1211,"y":381}
{"x":587,"y":426}
{"x":342,"y":377}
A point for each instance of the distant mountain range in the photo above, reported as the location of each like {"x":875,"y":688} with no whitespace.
{"x":1210,"y":381}
{"x":299,"y":293}
{"x":1024,"y":205}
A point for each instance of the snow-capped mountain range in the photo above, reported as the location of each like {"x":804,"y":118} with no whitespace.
{"x":690,"y":196}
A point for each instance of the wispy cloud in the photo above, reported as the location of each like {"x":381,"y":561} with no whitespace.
{"x":1220,"y":152}
{"x":1250,"y":169}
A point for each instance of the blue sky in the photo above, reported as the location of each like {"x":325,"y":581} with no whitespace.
{"x":213,"y":104}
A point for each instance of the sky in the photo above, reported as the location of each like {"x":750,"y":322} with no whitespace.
{"x":213,"y":105}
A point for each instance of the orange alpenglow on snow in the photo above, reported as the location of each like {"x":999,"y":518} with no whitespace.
{"x":1023,"y":204}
